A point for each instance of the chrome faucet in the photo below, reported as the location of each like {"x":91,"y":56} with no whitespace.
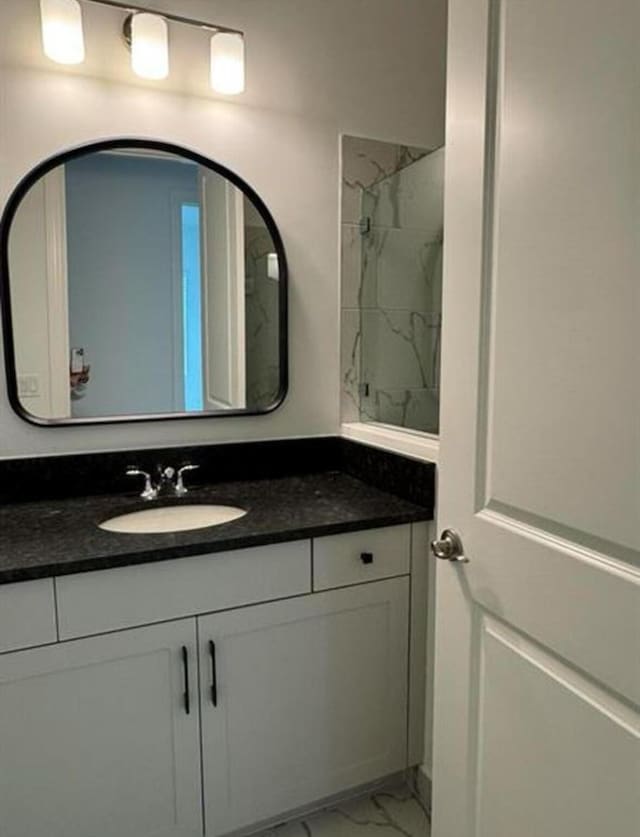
{"x":169,"y":481}
{"x":150,"y":492}
{"x":180,"y":488}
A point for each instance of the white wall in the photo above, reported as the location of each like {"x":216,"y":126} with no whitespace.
{"x":315,"y":70}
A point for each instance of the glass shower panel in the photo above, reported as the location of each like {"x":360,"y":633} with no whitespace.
{"x":401,"y":296}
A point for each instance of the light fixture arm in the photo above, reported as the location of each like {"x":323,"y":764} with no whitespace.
{"x":188,"y":21}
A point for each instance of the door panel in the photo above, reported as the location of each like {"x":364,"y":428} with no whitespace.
{"x":311,"y":700}
{"x":537,"y":683}
{"x":562,"y":242}
{"x":223,"y":274}
{"x":586,"y":608}
{"x":95,"y":740}
{"x":556,"y":754}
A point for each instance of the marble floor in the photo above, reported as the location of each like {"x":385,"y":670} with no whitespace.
{"x":385,"y":813}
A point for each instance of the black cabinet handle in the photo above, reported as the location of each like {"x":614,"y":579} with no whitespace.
{"x":214,"y":673}
{"x":187,"y":692}
{"x":366,"y":557}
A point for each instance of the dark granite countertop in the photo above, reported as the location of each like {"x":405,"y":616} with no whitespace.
{"x":57,"y":537}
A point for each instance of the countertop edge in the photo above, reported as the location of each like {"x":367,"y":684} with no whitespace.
{"x":108,"y":562}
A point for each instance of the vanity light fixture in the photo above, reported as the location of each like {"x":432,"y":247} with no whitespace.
{"x":149,"y":45}
{"x":62,"y":35}
{"x":146,"y":32}
{"x":227,"y":63}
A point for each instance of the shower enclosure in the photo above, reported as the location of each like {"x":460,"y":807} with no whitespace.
{"x":400,"y":296}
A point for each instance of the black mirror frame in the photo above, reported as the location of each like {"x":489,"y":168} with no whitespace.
{"x":5,"y":290}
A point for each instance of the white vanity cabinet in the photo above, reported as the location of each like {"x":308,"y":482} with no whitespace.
{"x":256,"y":684}
{"x":27,"y":615}
{"x":95,"y":739}
{"x":302,"y":699}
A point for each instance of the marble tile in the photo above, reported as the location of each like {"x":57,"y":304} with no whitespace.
{"x":400,"y":349}
{"x":262,"y":321}
{"x":361,"y":254}
{"x":370,"y":199}
{"x":350,"y":364}
{"x":351,"y":202}
{"x":372,"y":245}
{"x":405,"y":812}
{"x":409,"y":271}
{"x":413,"y":198}
{"x":417,"y":409}
{"x":351,"y":266}
{"x":385,"y":814}
{"x":298,"y":828}
{"x":391,"y":283}
{"x":401,"y":204}
{"x":366,"y":162}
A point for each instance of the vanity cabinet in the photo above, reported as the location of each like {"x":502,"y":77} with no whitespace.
{"x":110,"y":600}
{"x":231,"y":709}
{"x":357,"y":557}
{"x":301,"y":699}
{"x":95,"y":739}
{"x":27,"y":614}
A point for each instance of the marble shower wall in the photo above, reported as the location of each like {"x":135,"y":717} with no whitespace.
{"x":392,"y":216}
{"x":261,"y":320}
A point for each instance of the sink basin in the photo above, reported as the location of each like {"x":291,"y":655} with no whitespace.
{"x":172,"y":519}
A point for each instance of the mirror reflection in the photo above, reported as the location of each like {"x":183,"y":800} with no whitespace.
{"x":144,"y":283}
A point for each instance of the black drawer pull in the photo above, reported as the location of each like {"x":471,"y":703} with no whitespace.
{"x":214,"y":673}
{"x":187,"y":692}
{"x":366,"y":557}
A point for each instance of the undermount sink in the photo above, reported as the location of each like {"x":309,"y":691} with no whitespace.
{"x":172,"y":519}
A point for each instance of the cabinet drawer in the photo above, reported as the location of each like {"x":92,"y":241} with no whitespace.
{"x":355,"y":557}
{"x":96,"y":602}
{"x":27,"y":614}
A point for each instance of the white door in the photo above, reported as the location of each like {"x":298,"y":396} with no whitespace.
{"x":537,"y":683}
{"x":40,"y":303}
{"x":95,"y":740}
{"x":309,"y":698}
{"x":223,"y":262}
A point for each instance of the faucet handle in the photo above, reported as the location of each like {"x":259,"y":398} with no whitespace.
{"x":149,"y":492}
{"x":181,"y":488}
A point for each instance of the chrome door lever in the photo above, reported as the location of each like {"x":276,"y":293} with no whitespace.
{"x":449,"y":547}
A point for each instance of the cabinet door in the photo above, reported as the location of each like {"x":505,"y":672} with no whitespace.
{"x":311,"y":698}
{"x":95,"y":740}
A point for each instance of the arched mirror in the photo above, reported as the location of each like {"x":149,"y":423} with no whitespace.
{"x":141,"y":281}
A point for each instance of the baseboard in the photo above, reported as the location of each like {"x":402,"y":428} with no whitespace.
{"x":422,"y":787}
{"x":321,"y":804}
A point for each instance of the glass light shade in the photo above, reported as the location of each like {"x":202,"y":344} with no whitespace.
{"x":149,"y":46}
{"x":273,"y":266}
{"x":62,"y":36}
{"x":227,"y":63}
